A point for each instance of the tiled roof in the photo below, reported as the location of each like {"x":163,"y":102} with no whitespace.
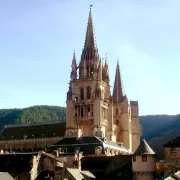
{"x":80,"y":175}
{"x":114,"y":144}
{"x":144,"y":148}
{"x":45,"y":130}
{"x":87,"y":174}
{"x":109,"y":167}
{"x":9,"y":162}
{"x":44,"y":174}
{"x":75,"y":173}
{"x":173,"y":143}
{"x":102,"y":162}
{"x":5,"y":176}
{"x":86,"y":144}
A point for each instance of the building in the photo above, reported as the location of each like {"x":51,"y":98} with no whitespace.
{"x":90,"y":145}
{"x":171,"y":157}
{"x":41,"y":165}
{"x":31,"y":137}
{"x":144,"y":162}
{"x":91,"y":109}
{"x":109,"y":167}
{"x":93,"y":114}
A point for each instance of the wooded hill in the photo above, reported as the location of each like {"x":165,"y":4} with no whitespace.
{"x":32,"y":115}
{"x":157,"y":129}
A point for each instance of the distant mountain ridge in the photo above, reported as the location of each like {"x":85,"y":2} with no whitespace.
{"x":157,"y":129}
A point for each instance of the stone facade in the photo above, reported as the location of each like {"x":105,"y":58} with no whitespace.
{"x":91,"y":109}
{"x":29,"y":145}
{"x":171,"y":160}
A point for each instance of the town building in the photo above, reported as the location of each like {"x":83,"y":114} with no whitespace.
{"x":171,"y":157}
{"x":31,"y":137}
{"x":144,"y":162}
{"x":42,"y":166}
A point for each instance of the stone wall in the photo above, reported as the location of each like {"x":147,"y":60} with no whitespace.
{"x":171,"y":160}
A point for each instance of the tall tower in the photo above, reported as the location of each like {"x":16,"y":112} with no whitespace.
{"x":135,"y":126}
{"x":91,"y":109}
{"x":126,"y":116}
{"x":121,"y":108}
{"x":144,"y":162}
{"x":89,"y":93}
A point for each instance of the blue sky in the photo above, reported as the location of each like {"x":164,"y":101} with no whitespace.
{"x":37,"y":38}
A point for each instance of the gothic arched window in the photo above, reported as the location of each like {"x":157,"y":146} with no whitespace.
{"x":81,"y":93}
{"x":88,"y":93}
{"x":82,"y":112}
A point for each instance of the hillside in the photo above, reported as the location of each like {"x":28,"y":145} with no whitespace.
{"x":34,"y":114}
{"x":8,"y":116}
{"x":157,"y":129}
{"x":169,"y":131}
{"x":153,"y":124}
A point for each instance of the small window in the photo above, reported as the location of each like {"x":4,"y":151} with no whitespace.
{"x":82,"y":93}
{"x":134,"y":158}
{"x":144,"y":158}
{"x":88,"y":93}
{"x":82,"y":112}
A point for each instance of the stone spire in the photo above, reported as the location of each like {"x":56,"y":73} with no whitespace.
{"x":90,"y":49}
{"x":90,"y":56}
{"x":74,"y":58}
{"x":90,"y":39}
{"x":106,"y":71}
{"x":118,"y":95}
{"x":74,"y":68}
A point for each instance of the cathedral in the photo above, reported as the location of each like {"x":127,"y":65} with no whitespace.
{"x":96,"y":118}
{"x":91,"y":107}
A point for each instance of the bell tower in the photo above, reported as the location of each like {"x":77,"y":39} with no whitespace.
{"x":89,"y":92}
{"x":90,"y":107}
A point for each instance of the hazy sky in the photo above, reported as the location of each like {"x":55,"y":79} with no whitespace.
{"x":37,"y":38}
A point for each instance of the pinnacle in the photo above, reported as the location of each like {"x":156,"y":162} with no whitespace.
{"x":90,"y":41}
{"x":118,"y":95}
